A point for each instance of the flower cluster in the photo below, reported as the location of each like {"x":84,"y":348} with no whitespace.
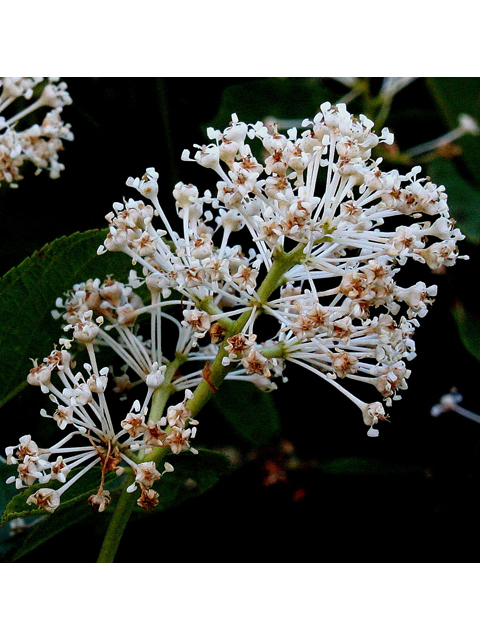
{"x":94,"y":438}
{"x":292,"y":260}
{"x":329,"y":232}
{"x":39,"y":143}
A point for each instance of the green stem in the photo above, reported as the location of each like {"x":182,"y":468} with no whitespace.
{"x":119,"y":520}
{"x":383,"y":112}
{"x":204,"y":391}
{"x":282,"y":262}
{"x":165,"y":390}
{"x":126,"y":502}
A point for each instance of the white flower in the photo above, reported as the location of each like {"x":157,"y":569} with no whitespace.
{"x":148,"y":500}
{"x":255,"y":363}
{"x":179,"y":440}
{"x":100,"y":500}
{"x":316,"y":287}
{"x":156,"y":377}
{"x":147,"y":185}
{"x":199,"y":320}
{"x":372,"y":413}
{"x":147,"y":474}
{"x":179,"y":414}
{"x":134,"y":423}
{"x":40,"y":143}
{"x":47,"y":499}
{"x":59,"y":470}
{"x":450,"y":402}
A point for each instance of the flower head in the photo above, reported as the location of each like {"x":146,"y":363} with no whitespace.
{"x":339,"y":310}
{"x":39,"y":143}
{"x":327,"y":234}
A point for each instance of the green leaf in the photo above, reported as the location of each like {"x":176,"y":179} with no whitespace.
{"x":73,"y":509}
{"x":455,"y":96}
{"x":7,"y":491}
{"x":463,"y":199}
{"x":285,"y":98}
{"x":469,"y":328}
{"x":27,"y":297}
{"x":192,"y":476}
{"x":366,"y":467}
{"x":250,"y":412}
{"x":81,"y":489}
{"x":48,"y":527}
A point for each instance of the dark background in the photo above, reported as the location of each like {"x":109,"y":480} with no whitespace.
{"x":411,"y":493}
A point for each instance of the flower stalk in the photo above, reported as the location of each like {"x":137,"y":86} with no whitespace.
{"x":127,"y":501}
{"x":118,"y":522}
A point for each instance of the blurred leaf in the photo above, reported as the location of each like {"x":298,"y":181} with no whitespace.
{"x":252,"y":413}
{"x":284,"y":98}
{"x":27,"y":297}
{"x":366,"y":467}
{"x":7,"y":491}
{"x":469,"y":328}
{"x":455,"y":96}
{"x":47,"y":528}
{"x":463,"y":199}
{"x":193,"y":475}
